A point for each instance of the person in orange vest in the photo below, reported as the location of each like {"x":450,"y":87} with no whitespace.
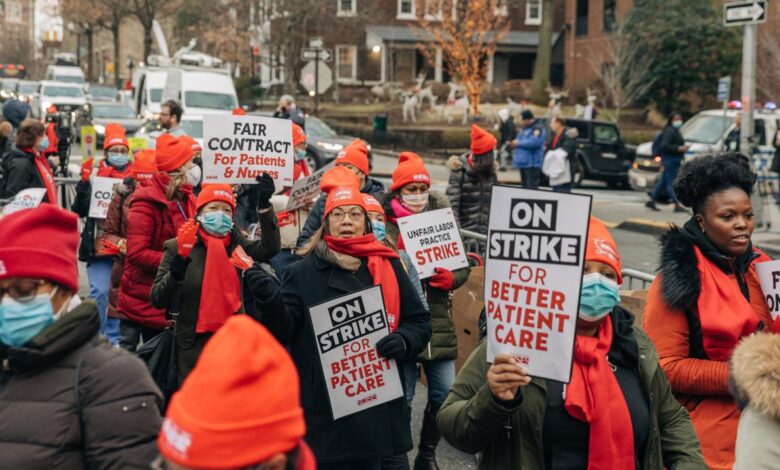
{"x":51,"y":134}
{"x":92,"y":250}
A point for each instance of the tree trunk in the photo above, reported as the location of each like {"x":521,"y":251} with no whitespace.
{"x":475,"y":98}
{"x":541,"y":79}
{"x":117,"y":63}
{"x":90,"y":56}
{"x":147,"y":42}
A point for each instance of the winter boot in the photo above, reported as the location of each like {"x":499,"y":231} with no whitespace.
{"x":429,"y":439}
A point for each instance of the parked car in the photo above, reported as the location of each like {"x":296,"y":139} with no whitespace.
{"x":65,"y":73}
{"x":65,"y":96}
{"x":8,"y":89}
{"x":26,"y":90}
{"x":101,"y":93}
{"x":705,"y":133}
{"x":323,"y":143}
{"x":99,"y":114}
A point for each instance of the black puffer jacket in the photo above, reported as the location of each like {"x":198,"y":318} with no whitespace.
{"x":70,"y":400}
{"x":469,"y":194}
{"x":19,"y":173}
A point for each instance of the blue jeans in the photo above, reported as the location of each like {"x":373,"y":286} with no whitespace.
{"x":99,"y":274}
{"x":529,"y":177}
{"x":671,"y":168}
{"x":562,"y":188}
{"x":440,"y":375}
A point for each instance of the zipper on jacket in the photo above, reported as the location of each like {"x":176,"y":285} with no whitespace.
{"x":508,"y":427}
{"x":137,"y":406}
{"x":429,"y":350}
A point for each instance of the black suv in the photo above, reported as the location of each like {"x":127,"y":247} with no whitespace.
{"x":601,"y":153}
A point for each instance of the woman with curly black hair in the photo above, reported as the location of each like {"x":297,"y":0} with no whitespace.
{"x":707,"y":296}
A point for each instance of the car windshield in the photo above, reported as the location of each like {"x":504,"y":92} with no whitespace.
{"x":69,"y":78}
{"x":103,"y":92}
{"x":705,"y":129}
{"x":193,"y":128}
{"x":28,"y":88}
{"x":9,"y":84}
{"x":112,"y":112}
{"x":155,"y":95}
{"x":203,"y":99}
{"x":69,"y":91}
{"x":316,"y":127}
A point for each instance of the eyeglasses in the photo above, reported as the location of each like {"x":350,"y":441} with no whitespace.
{"x":165,"y":115}
{"x":354,"y":214}
{"x":22,"y":292}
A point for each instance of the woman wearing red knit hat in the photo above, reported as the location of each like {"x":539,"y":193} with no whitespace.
{"x":99,"y":259}
{"x":342,"y":257}
{"x":617,"y":412}
{"x":68,"y":399}
{"x":411,"y":195}
{"x":196,"y":271}
{"x":158,"y":208}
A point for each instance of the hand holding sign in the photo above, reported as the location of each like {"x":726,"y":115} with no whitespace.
{"x":505,"y":377}
{"x":443,"y":279}
{"x":186,"y":238}
{"x":432,"y":240}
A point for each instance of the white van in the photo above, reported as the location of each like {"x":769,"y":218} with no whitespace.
{"x":65,"y":73}
{"x":148,"y":84}
{"x":201,"y":90}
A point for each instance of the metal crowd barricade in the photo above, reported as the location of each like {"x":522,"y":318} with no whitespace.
{"x":66,"y":189}
{"x":632,"y":275}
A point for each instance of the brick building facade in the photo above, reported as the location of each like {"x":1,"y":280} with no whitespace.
{"x":17,"y":30}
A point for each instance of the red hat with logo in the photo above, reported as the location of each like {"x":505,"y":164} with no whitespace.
{"x":343,"y":196}
{"x":602,"y":248}
{"x":338,"y":176}
{"x":355,"y":154}
{"x":239,"y":406}
{"x":215,"y":192}
{"x":115,"y":135}
{"x":410,"y":169}
{"x":23,"y":254}
{"x":372,"y":205}
{"x":196,"y":147}
{"x":144,"y":164}
{"x":482,"y":141}
{"x":172,"y":153}
{"x":299,"y":137}
{"x":239,"y":112}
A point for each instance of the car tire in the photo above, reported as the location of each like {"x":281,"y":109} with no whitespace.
{"x":312,"y":161}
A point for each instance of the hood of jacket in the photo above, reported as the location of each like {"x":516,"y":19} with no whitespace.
{"x":680,"y":279}
{"x":56,"y":341}
{"x":755,"y":374}
{"x":457,"y":163}
{"x":153,"y":189}
{"x":373,"y":187}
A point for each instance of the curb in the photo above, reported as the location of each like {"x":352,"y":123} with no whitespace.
{"x":646,"y":226}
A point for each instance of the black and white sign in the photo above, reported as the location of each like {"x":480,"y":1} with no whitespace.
{"x":741,"y":13}
{"x":308,"y":54}
{"x":102,"y":193}
{"x":305,"y":189}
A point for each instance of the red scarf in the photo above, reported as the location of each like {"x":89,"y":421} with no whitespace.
{"x":556,"y":139}
{"x":220,"y":295}
{"x":378,"y":256}
{"x":725,"y":314}
{"x":300,"y":169}
{"x":45,"y":173}
{"x":593,"y":397}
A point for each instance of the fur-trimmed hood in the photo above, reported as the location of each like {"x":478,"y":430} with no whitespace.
{"x":755,"y":374}
{"x":457,"y":163}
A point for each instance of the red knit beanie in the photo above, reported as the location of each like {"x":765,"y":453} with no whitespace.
{"x":114,"y":135}
{"x":215,"y":192}
{"x":41,"y":243}
{"x":343,"y":196}
{"x":602,"y":248}
{"x":239,"y":407}
{"x":482,"y":141}
{"x":192,"y":143}
{"x":144,"y":164}
{"x":299,"y":137}
{"x":372,"y":205}
{"x":356,"y":154}
{"x":410,"y":169}
{"x":338,"y":176}
{"x":172,"y":153}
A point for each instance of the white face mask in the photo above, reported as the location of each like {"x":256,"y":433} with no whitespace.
{"x":193,"y":175}
{"x":415,"y":202}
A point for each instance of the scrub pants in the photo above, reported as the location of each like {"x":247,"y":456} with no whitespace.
{"x":99,"y":274}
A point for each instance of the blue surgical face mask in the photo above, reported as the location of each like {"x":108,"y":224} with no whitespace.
{"x":598,"y":298}
{"x":677,"y":124}
{"x":20,"y":321}
{"x":379,"y":230}
{"x":44,"y":143}
{"x":217,"y":223}
{"x":118,"y":160}
{"x":300,"y":154}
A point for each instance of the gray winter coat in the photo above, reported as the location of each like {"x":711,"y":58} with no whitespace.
{"x":469,"y":194}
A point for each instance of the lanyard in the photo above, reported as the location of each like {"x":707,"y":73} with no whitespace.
{"x":181,"y":210}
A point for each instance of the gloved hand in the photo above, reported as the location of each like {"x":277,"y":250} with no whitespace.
{"x":443,"y":279}
{"x":86,"y":170}
{"x":265,"y":189}
{"x":263,"y":284}
{"x":392,"y":346}
{"x":187,"y":237}
{"x":83,"y":187}
{"x":178,"y":268}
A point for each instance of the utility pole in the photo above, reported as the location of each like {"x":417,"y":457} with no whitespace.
{"x":317,"y":80}
{"x":748,"y":88}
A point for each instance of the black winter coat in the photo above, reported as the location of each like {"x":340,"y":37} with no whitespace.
{"x":671,"y":141}
{"x":469,"y":194}
{"x":376,"y":432}
{"x":19,"y":173}
{"x":508,"y":131}
{"x":70,"y":400}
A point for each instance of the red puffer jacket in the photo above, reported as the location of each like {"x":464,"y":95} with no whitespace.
{"x":152,"y":220}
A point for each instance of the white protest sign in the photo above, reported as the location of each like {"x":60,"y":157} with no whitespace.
{"x":769,"y":277}
{"x":347,"y":330}
{"x":102,"y":193}
{"x":533,"y":275}
{"x":307,"y":188}
{"x":25,"y":199}
{"x":432,"y":240}
{"x":237,"y":149}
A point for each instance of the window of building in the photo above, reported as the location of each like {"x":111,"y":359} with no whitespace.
{"x":346,"y":63}
{"x":533,"y":12}
{"x":406,"y":9}
{"x":13,"y":11}
{"x":347,"y":7}
{"x":581,"y":22}
{"x":610,"y":7}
